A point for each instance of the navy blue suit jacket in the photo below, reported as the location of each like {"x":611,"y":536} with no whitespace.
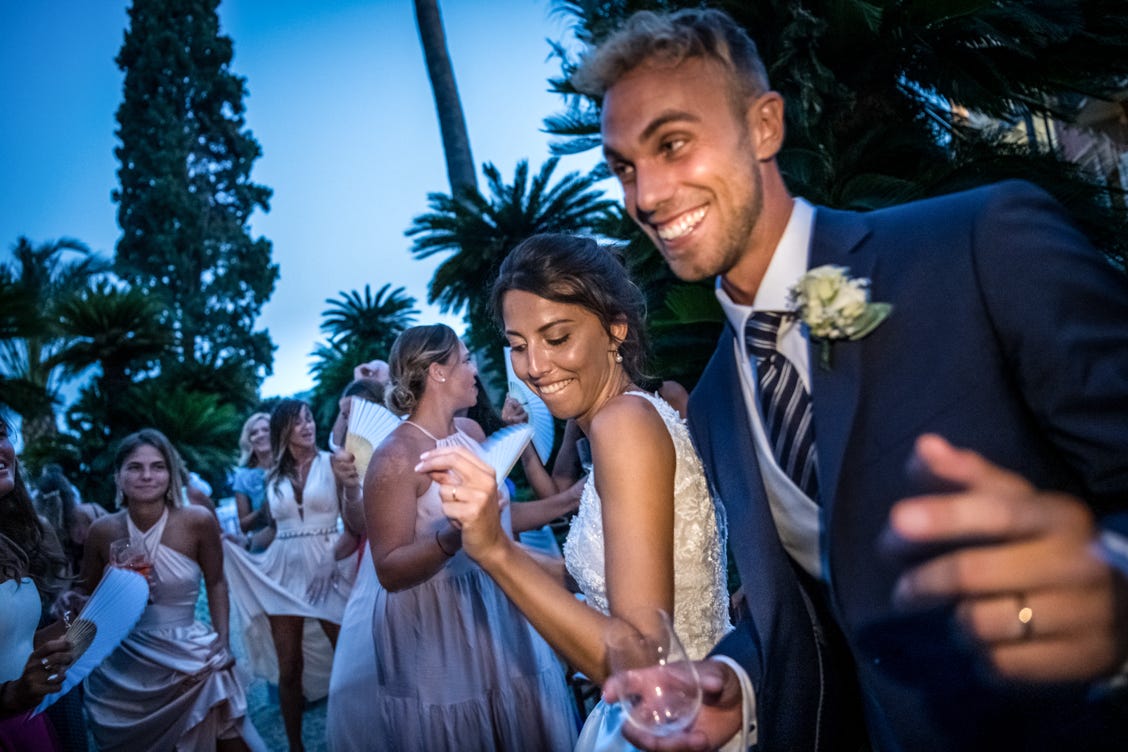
{"x":1009,"y":336}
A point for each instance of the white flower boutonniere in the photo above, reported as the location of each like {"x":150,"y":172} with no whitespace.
{"x":835,"y":306}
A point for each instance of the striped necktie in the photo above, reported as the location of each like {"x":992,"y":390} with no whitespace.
{"x":785,"y":405}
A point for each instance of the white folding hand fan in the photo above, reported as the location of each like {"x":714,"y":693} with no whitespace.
{"x":504,"y":446}
{"x":106,"y":619}
{"x":544,"y":429}
{"x":369,"y":424}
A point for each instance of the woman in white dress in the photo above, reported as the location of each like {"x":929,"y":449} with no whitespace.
{"x":457,"y":666}
{"x":171,"y":684}
{"x":352,"y":682}
{"x":299,"y":576}
{"x":32,"y":664}
{"x":648,"y":535}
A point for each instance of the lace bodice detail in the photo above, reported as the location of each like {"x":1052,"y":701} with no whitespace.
{"x":700,"y":588}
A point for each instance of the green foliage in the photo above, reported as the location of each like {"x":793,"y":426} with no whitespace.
{"x":36,"y":284}
{"x":360,"y":328}
{"x":478,"y":231}
{"x":113,"y":327}
{"x":372,"y":321}
{"x":186,"y":195}
{"x":870,"y":88}
{"x":203,"y":429}
{"x":874,"y":92}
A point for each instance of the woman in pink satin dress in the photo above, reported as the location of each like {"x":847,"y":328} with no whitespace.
{"x":171,"y":684}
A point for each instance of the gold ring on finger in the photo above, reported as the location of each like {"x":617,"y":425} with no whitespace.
{"x":1025,"y":617}
{"x":454,"y":493}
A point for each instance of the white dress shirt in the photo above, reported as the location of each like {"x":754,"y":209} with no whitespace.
{"x":797,"y":517}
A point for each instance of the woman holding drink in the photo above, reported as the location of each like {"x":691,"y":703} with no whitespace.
{"x":648,"y":536}
{"x":171,"y":683}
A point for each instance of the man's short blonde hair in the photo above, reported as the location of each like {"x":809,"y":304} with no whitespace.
{"x":668,"y":39}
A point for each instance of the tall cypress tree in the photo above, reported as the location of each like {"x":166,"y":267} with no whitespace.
{"x":186,"y":194}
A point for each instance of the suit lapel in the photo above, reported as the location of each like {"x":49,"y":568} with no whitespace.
{"x":836,"y":239}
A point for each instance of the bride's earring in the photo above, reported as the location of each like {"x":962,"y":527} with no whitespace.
{"x":618,"y":357}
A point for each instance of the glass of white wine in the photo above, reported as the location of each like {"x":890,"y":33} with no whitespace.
{"x":660,"y":690}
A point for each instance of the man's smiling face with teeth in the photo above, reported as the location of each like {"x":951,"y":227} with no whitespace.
{"x":686,"y":161}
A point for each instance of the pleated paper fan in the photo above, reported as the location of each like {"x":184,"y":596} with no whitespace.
{"x":544,"y":428}
{"x":504,"y":446}
{"x":106,"y":619}
{"x":369,"y":424}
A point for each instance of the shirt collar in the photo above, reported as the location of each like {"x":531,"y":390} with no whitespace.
{"x":788,"y":264}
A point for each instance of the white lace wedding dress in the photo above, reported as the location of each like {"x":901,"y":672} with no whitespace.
{"x":700,"y":590}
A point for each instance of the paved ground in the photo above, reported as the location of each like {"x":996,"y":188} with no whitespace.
{"x":262,"y":702}
{"x":262,"y":705}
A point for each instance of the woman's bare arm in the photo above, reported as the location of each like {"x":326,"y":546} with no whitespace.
{"x":391,"y":490}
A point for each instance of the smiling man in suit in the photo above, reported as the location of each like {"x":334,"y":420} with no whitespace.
{"x":923,"y":486}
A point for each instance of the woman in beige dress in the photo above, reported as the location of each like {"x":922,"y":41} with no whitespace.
{"x":171,"y":684}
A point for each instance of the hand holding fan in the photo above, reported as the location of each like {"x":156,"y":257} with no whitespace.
{"x":504,"y":446}
{"x":108,"y":616}
{"x":544,"y":428}
{"x":369,"y":424}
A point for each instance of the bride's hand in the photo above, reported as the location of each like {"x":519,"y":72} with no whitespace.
{"x":717,"y":722}
{"x":469,"y":496}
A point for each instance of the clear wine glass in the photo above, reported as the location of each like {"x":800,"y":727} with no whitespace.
{"x":127,"y":554}
{"x":660,"y":689}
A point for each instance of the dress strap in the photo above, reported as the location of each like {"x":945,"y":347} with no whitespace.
{"x":430,"y":435}
{"x":458,"y":438}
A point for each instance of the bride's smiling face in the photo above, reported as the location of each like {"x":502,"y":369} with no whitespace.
{"x":563,"y":353}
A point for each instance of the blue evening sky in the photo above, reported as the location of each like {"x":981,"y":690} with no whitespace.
{"x":340,"y":102}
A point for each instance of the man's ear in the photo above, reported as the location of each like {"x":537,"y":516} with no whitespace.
{"x":766,"y":128}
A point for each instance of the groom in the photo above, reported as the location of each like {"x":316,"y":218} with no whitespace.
{"x":923,"y":502}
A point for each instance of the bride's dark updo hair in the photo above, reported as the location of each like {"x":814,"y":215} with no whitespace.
{"x":579,"y":271}
{"x":412,"y":354}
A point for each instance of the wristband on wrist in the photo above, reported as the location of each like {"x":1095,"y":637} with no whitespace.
{"x":439,"y":543}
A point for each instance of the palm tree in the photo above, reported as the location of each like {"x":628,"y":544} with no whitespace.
{"x":371,"y":321}
{"x":204,"y":430}
{"x":448,"y":105}
{"x":113,"y":327}
{"x":478,"y":232}
{"x":360,"y":328}
{"x":40,"y":278}
{"x":18,"y":317}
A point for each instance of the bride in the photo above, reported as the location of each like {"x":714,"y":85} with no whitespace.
{"x":647,"y":534}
